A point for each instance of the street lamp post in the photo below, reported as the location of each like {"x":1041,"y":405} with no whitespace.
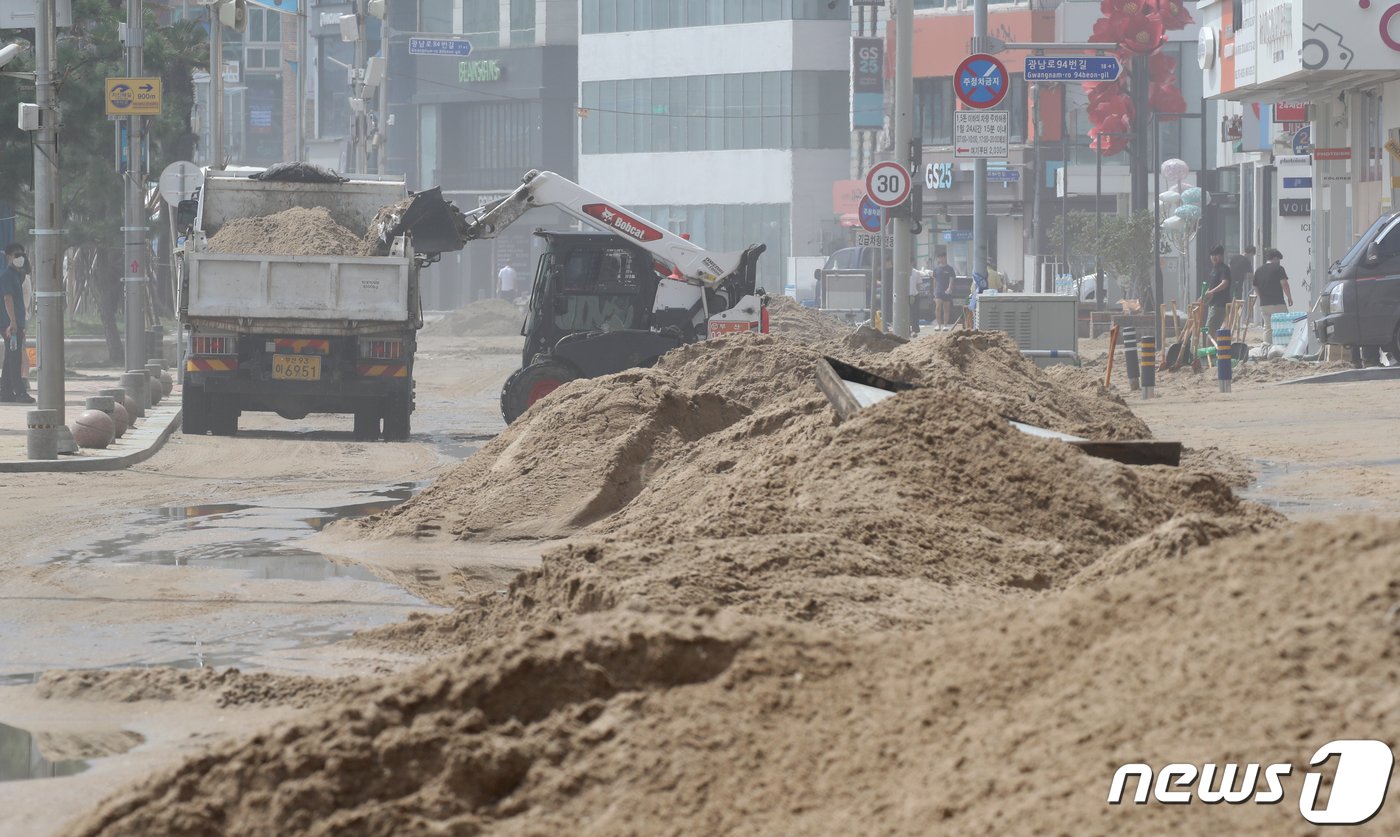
{"x":48,"y":238}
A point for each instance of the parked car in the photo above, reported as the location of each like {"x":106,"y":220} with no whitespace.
{"x":1361,"y":304}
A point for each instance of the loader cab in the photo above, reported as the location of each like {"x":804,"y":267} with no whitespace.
{"x":585,"y":283}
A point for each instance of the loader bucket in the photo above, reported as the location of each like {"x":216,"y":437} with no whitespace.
{"x":431,"y":223}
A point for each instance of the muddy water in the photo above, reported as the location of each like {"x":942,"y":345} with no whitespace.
{"x":238,"y":583}
{"x":20,"y":758}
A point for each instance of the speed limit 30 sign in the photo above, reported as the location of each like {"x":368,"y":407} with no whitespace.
{"x":888,"y":184}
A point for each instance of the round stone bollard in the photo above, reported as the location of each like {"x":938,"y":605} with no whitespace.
{"x":157,"y":391}
{"x":167,"y":383}
{"x":138,"y":389}
{"x":128,"y":408}
{"x":107,"y":405}
{"x":42,"y":427}
{"x":93,"y":429}
{"x":121,"y":418}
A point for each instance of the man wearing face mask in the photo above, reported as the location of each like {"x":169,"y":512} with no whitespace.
{"x":12,"y":317}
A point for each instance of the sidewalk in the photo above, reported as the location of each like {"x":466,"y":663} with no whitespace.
{"x":140,"y":442}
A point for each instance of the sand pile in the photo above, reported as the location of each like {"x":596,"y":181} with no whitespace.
{"x":1012,"y":719}
{"x":678,"y":425}
{"x":788,"y":319}
{"x":229,"y":687}
{"x":535,"y":480}
{"x":483,"y":318}
{"x":292,"y":232}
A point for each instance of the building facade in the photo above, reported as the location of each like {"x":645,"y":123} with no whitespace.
{"x":475,"y":124}
{"x":721,"y":119}
{"x":1316,"y":88}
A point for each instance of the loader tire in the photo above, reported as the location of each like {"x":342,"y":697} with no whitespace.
{"x":532,"y":383}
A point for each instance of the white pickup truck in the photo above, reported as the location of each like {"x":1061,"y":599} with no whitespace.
{"x":296,"y":335}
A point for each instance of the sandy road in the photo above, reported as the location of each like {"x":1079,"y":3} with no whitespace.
{"x":196,"y":558}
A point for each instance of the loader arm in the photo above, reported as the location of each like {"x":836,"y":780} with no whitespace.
{"x":733,"y":270}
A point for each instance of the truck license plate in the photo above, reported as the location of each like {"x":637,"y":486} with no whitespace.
{"x":296,"y":368}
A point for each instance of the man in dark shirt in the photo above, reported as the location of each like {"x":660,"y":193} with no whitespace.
{"x":1275,"y":297}
{"x":11,"y":325}
{"x":1241,"y":272}
{"x":943,"y":277}
{"x":1218,"y":292}
{"x":12,"y":320}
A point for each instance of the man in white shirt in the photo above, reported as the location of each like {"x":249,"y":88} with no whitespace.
{"x":506,"y":282}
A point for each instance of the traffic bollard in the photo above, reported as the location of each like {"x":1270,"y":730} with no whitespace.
{"x":1224,"y":359}
{"x":42,"y":439}
{"x":1130,"y":357}
{"x":1147,"y":349}
{"x":138,"y":388}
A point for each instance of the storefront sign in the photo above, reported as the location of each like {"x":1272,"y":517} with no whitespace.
{"x":867,"y":83}
{"x":938,"y":176}
{"x":1287,"y":112}
{"x":950,"y":236}
{"x":1297,"y":183}
{"x":1294,"y":207}
{"x":1331,"y":153}
{"x":486,"y":69}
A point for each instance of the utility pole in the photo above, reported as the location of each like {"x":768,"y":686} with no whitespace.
{"x":903,"y":140}
{"x":134,"y":221}
{"x":359,"y":113}
{"x":979,"y":176}
{"x":216,"y":88}
{"x":301,"y":81}
{"x":48,"y":238}
{"x":382,"y":146}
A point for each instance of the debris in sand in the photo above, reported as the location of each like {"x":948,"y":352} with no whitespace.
{"x":787,"y":318}
{"x":483,"y":318}
{"x":298,"y":231}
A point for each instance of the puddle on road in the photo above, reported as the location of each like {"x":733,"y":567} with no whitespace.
{"x":251,"y":539}
{"x":258,"y":541}
{"x":20,"y":758}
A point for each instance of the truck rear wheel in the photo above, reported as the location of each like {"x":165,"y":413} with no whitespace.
{"x":532,"y":383}
{"x":366,"y":424}
{"x":398,"y":409}
{"x":194,"y":410}
{"x":223,"y":418}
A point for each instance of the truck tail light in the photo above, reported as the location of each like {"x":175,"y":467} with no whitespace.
{"x":225,"y":344}
{"x":381,"y":349}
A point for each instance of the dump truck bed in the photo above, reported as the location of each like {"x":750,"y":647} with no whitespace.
{"x":347,"y":288}
{"x":352,"y":204}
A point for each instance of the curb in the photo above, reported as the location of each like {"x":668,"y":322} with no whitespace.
{"x":146,"y":440}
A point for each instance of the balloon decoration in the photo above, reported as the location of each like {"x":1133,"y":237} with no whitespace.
{"x":1175,"y":172}
{"x":1191,"y":196}
{"x":1134,"y":27}
{"x":1170,"y":201}
{"x":1188,"y":212}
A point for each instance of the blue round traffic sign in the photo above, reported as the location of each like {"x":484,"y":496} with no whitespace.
{"x":1302,"y":139}
{"x":869,"y":215}
{"x":981,"y":81}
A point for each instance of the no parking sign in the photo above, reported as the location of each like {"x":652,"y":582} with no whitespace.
{"x":981,"y":81}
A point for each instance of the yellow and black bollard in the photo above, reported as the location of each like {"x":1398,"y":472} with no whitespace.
{"x":1147,"y":349}
{"x":1223,"y":359}
{"x":1130,"y":357}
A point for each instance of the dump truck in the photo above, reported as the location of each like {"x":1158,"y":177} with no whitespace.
{"x":295,"y":335}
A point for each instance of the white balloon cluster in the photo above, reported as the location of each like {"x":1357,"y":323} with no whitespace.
{"x":1181,"y":205}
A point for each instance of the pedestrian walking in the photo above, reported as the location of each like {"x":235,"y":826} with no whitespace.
{"x":943,"y":278}
{"x":1241,"y":272}
{"x":1275,"y":297}
{"x":1218,"y":294}
{"x":505,"y":282}
{"x":12,"y":317}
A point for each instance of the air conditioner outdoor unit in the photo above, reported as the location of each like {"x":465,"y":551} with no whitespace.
{"x":1039,"y":323}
